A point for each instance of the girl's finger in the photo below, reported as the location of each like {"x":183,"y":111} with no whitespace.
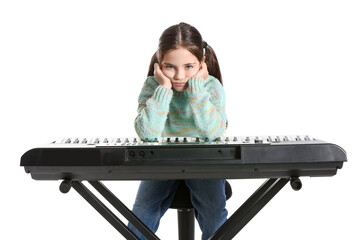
{"x":204,"y":66}
{"x":156,"y":67}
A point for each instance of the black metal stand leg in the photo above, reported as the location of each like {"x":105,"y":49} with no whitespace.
{"x":186,"y":223}
{"x":250,"y":208}
{"x":103,"y":210}
{"x":113,"y":200}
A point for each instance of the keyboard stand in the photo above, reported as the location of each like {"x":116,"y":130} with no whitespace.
{"x":226,"y":232}
{"x":106,"y":212}
{"x":250,"y":208}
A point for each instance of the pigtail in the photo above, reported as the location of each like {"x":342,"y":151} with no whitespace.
{"x":213,"y":65}
{"x":151,"y":66}
{"x":212,"y":62}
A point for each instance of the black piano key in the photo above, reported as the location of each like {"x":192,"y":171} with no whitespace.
{"x":258,"y":140}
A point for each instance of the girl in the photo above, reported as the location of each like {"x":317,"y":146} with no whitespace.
{"x":182,"y":97}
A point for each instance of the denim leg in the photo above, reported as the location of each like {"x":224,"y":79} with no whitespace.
{"x":152,"y":200}
{"x":209,"y":200}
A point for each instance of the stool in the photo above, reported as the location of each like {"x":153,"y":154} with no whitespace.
{"x":185,"y":209}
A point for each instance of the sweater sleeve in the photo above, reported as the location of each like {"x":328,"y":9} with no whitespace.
{"x":153,"y":108}
{"x":207,"y":103}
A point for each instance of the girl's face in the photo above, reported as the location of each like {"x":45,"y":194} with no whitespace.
{"x":179,"y":65}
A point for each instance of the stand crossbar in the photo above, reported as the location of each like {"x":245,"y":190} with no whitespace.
{"x":226,"y":232}
{"x":249,"y":208}
{"x":108,"y":214}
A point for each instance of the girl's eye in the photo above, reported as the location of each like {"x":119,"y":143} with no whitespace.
{"x":169,"y":67}
{"x":189,"y":67}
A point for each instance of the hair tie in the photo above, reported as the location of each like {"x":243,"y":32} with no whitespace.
{"x":204,"y":44}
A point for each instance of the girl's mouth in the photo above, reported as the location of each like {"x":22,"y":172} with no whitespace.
{"x":178,"y":84}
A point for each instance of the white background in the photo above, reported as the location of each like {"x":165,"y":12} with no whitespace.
{"x":75,"y":68}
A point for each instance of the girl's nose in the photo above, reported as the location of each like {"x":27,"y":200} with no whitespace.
{"x":179,"y":75}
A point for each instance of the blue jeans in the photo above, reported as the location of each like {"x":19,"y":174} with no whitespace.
{"x":207,"y":196}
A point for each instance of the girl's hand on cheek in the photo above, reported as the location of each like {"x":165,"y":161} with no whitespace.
{"x":203,"y":72}
{"x":159,"y":75}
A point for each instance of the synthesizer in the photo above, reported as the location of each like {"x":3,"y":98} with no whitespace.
{"x":281,"y":159}
{"x":235,"y":157}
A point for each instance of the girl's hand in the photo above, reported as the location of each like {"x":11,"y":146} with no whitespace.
{"x":159,"y":75}
{"x":203,"y":72}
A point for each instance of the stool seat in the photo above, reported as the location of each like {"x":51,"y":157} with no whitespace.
{"x":185,"y":209}
{"x":182,"y":196}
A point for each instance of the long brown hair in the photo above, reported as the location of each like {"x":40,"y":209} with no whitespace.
{"x":185,"y":35}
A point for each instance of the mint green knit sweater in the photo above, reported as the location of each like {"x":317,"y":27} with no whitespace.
{"x":199,"y":111}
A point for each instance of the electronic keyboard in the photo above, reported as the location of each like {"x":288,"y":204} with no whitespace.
{"x":282,"y":159}
{"x":183,"y":158}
